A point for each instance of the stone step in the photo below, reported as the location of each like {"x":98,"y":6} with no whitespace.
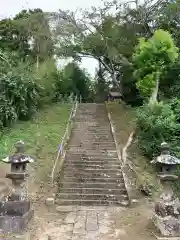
{"x":84,"y":179}
{"x":69,"y":183}
{"x":91,"y":175}
{"x":93,"y":190}
{"x":86,"y":196}
{"x":91,"y":142}
{"x":94,"y":169}
{"x":93,"y":131}
{"x":92,"y":202}
{"x":90,"y":171}
{"x":86,"y":162}
{"x":80,"y":165}
{"x":86,"y":157}
{"x":99,"y":153}
{"x":96,"y":149}
{"x":80,"y":144}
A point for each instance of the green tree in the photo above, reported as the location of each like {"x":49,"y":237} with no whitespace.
{"x":74,"y":80}
{"x":151,"y":59}
{"x":36,"y":25}
{"x":28,"y":26}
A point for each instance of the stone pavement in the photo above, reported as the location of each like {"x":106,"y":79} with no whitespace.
{"x":83,"y":223}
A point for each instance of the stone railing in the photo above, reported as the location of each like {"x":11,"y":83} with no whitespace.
{"x":62,"y":146}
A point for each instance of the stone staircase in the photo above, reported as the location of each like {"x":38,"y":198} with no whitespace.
{"x":91,"y":174}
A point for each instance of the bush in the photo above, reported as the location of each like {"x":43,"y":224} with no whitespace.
{"x":46,"y":76}
{"x":155,"y":124}
{"x":72,"y":79}
{"x":19,"y":96}
{"x":175,"y":106}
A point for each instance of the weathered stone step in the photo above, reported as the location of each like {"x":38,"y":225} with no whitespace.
{"x":92,"y":175}
{"x":90,"y":148}
{"x":93,"y":179}
{"x":91,"y":142}
{"x":90,"y":171}
{"x":86,"y":157}
{"x":91,"y":202}
{"x":90,"y":168}
{"x":89,"y":145}
{"x":91,"y":184}
{"x":86,"y":196}
{"x":94,"y":191}
{"x":91,"y":132}
{"x":98,"y":153}
{"x":81,"y":165}
{"x":86,"y":162}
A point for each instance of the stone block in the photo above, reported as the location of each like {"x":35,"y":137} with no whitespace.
{"x":15,"y":224}
{"x":168,"y":226}
{"x":14,"y":208}
{"x":50,"y":201}
{"x":65,"y":208}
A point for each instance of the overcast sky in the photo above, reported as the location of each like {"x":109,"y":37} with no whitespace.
{"x":10,"y":7}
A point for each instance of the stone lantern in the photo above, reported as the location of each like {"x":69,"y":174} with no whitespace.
{"x":166,"y":163}
{"x":16,"y":210}
{"x":167,"y":209}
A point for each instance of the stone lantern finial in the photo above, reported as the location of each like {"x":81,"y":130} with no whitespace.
{"x":20,"y":147}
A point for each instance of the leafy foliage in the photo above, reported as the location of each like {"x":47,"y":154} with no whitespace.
{"x":155,"y":123}
{"x":46,"y":76}
{"x":19,"y":96}
{"x":151,"y":59}
{"x":74,"y":80}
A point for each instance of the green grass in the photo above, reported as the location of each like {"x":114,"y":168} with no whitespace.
{"x":42,"y":135}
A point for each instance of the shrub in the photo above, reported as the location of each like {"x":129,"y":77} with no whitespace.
{"x":19,"y":96}
{"x":175,"y":106}
{"x":46,"y":76}
{"x":155,"y":123}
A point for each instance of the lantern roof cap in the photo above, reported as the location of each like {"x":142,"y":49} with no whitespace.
{"x":165,"y":157}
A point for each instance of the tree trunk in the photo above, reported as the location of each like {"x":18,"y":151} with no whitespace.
{"x":37,"y":62}
{"x":154,"y":95}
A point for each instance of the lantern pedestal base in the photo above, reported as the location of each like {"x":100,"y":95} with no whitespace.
{"x":15,"y":216}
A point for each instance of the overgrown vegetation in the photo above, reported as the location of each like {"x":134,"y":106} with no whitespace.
{"x":136,"y":47}
{"x":41,"y":134}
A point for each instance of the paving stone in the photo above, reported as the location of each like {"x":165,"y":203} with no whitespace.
{"x":71,"y":217}
{"x":78,"y":237}
{"x":66,"y":228}
{"x":92,"y":221}
{"x":120,"y":232}
{"x":92,"y":235}
{"x":93,"y":208}
{"x":104,"y":229}
{"x":66,"y":208}
{"x":79,"y":226}
{"x":25,"y":236}
{"x":50,"y":201}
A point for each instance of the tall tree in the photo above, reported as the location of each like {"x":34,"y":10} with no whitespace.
{"x":151,"y":59}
